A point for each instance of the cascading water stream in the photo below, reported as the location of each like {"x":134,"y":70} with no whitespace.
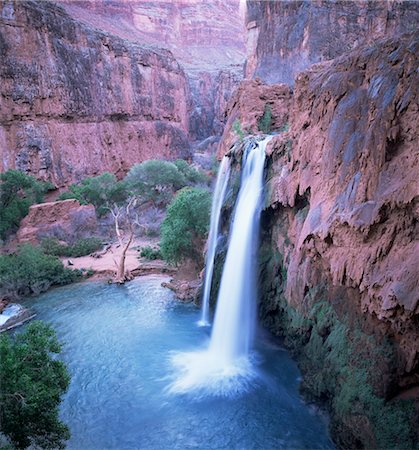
{"x":234,"y":323}
{"x":226,"y":367}
{"x":217,"y":203}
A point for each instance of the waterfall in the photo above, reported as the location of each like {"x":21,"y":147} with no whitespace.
{"x":227,"y":366}
{"x":217,"y":203}
{"x":233,"y":330}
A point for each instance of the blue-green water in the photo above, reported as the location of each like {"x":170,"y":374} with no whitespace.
{"x":118,"y":342}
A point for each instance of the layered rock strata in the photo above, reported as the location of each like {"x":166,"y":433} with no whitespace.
{"x":76,"y":101}
{"x":207,"y":39}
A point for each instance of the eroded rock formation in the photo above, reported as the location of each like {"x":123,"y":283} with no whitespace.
{"x":245,"y":111}
{"x":66,"y":220}
{"x":339,"y":253}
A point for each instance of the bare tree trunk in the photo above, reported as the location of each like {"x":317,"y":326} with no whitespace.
{"x":121,"y":276}
{"x":116,"y":213}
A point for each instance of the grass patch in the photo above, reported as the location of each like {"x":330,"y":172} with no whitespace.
{"x":82,"y":247}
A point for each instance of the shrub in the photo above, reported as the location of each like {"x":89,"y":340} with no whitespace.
{"x":32,"y":271}
{"x":82,"y":247}
{"x":52,"y":246}
{"x":150,"y":253}
{"x":32,"y":382}
{"x":265,"y":122}
{"x":18,"y":191}
{"x":237,"y":128}
{"x":186,"y":225}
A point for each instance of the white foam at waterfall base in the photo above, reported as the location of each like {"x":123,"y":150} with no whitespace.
{"x":228,"y":367}
{"x":203,"y":374}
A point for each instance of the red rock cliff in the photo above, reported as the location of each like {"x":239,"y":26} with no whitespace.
{"x":285,"y":37}
{"x":339,"y":250}
{"x":352,"y":162}
{"x":76,"y":101}
{"x":206,"y":37}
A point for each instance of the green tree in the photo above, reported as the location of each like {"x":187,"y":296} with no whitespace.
{"x":186,"y":225}
{"x":32,"y":382}
{"x":107,"y":194}
{"x":155,"y":180}
{"x":102,"y":192}
{"x":237,"y":128}
{"x":191,"y":174}
{"x":18,"y":192}
{"x":265,"y":122}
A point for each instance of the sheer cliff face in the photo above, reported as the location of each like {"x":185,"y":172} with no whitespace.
{"x":345,"y":180}
{"x":207,"y":39}
{"x":285,"y":37}
{"x":77,"y":102}
{"x":94,"y":86}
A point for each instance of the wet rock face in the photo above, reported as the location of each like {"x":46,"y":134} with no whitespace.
{"x":355,"y":160}
{"x":285,"y":37}
{"x":77,"y":102}
{"x":252,"y":104}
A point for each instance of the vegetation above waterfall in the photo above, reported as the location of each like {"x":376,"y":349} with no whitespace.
{"x":32,"y":382}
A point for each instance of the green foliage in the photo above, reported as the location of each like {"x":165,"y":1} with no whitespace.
{"x":265,"y":122}
{"x":32,"y":271}
{"x":85,"y":246}
{"x":18,"y":191}
{"x":186,"y":225}
{"x":340,"y":364}
{"x":285,"y":128}
{"x":344,"y":367}
{"x":32,"y":382}
{"x":150,"y":253}
{"x":155,"y":180}
{"x":191,"y":174}
{"x":215,"y":166}
{"x":101,"y":191}
{"x":237,"y":128}
{"x":82,"y":247}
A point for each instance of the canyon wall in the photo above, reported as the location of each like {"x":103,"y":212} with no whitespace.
{"x":207,"y":39}
{"x":285,"y":37}
{"x":339,"y":251}
{"x":76,"y":101}
{"x":339,"y":256}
